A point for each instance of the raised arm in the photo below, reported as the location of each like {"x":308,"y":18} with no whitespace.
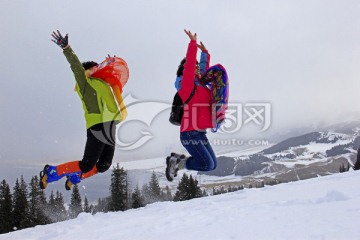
{"x":75,"y":64}
{"x":187,"y":83}
{"x":204,"y":58}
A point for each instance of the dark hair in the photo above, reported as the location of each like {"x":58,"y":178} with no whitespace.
{"x":89,"y":64}
{"x":181,"y":67}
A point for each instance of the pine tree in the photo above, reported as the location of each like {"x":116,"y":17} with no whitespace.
{"x":102,"y":205}
{"x":5,"y":208}
{"x":21,"y":206}
{"x":51,"y":211}
{"x":56,"y":211}
{"x":182,"y":192}
{"x":154,"y":189}
{"x":75,"y":207}
{"x":194,"y":189}
{"x":187,"y":189}
{"x":145,"y":191}
{"x":52,"y":198}
{"x":118,"y":189}
{"x":37,"y":203}
{"x":60,"y":212}
{"x":87,"y":207}
{"x":204,"y":193}
{"x":137,"y":200}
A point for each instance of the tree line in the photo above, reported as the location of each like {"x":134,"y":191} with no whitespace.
{"x":27,"y":205}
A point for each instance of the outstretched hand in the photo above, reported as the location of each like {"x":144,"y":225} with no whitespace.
{"x":60,"y":40}
{"x":108,"y":56}
{"x":201,"y":46}
{"x":191,"y":36}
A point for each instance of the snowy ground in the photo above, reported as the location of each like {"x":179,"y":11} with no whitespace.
{"x":319,"y":208}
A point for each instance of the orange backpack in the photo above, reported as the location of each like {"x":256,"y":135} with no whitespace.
{"x":115,"y":72}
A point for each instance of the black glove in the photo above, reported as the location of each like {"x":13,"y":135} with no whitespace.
{"x":60,"y":40}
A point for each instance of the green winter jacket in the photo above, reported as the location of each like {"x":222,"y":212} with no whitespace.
{"x":97,"y":98}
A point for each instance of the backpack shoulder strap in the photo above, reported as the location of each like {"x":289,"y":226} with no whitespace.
{"x":191,"y":95}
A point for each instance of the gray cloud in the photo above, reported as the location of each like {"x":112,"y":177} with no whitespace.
{"x":300,"y":56}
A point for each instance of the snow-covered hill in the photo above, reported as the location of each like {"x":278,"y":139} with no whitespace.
{"x":301,"y":157}
{"x":319,"y":208}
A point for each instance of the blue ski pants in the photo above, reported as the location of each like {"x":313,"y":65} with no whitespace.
{"x":202,"y":155}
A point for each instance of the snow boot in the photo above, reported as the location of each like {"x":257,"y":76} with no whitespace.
{"x":181,"y":163}
{"x":174,"y":163}
{"x":44,"y":178}
{"x":68,"y":184}
{"x":75,"y":178}
{"x":48,"y":175}
{"x":71,"y":180}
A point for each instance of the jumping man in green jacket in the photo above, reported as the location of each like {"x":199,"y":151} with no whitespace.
{"x":101,"y":114}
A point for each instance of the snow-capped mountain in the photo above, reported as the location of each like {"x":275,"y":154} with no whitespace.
{"x":315,"y":141}
{"x":306,"y":156}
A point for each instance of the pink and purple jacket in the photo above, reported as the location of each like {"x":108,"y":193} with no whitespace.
{"x":197,"y":113}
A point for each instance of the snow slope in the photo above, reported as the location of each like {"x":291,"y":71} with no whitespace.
{"x":319,"y":208}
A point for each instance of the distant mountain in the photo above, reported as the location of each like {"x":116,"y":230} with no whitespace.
{"x":305,"y":156}
{"x":349,"y":127}
{"x":292,"y":142}
{"x":314,"y":137}
{"x":250,"y":165}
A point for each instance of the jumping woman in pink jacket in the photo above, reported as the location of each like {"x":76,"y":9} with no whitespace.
{"x":197,"y":113}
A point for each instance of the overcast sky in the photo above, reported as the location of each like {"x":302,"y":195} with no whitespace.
{"x":300,"y":57}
